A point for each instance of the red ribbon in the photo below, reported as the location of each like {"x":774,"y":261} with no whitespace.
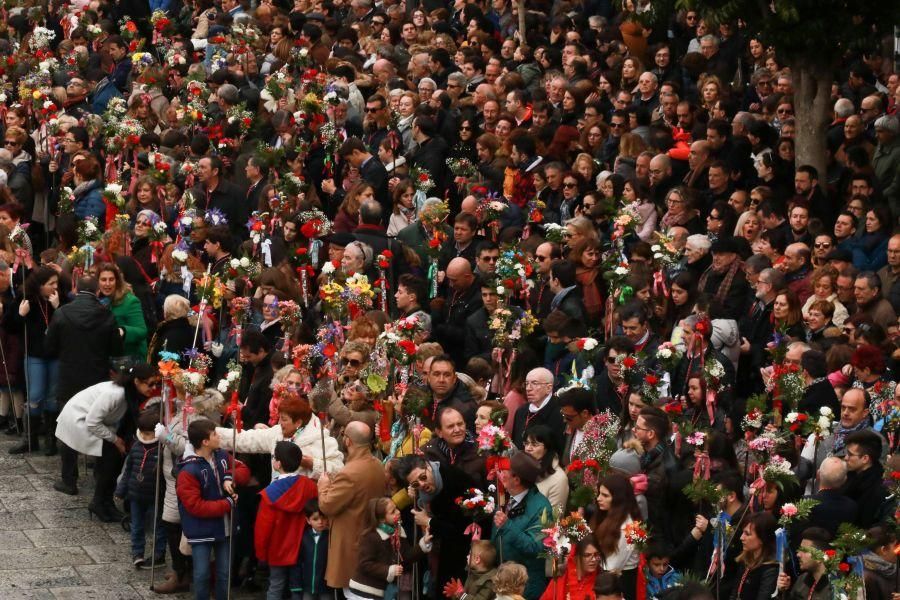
{"x":711,"y":405}
{"x":234,"y":408}
{"x":701,"y":465}
{"x":641,"y":592}
{"x":475,"y":530}
{"x":659,"y":285}
{"x":156,"y":250}
{"x":494,"y":465}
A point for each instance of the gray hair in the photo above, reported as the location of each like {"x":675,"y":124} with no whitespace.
{"x":229,"y":93}
{"x":457,"y":78}
{"x":775,"y":277}
{"x":710,"y":38}
{"x":699,"y":241}
{"x":843,"y":108}
{"x":175,"y":307}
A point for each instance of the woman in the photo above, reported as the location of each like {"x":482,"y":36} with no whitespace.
{"x":585,"y":167}
{"x":696,"y":249}
{"x":576,"y":582}
{"x":697,"y":413}
{"x":352,"y":404}
{"x":870,"y":249}
{"x":824,"y":284}
{"x":786,"y":315}
{"x":748,"y":227}
{"x":631,"y":71}
{"x":682,"y":296}
{"x":174,"y":333}
{"x":36,"y":309}
{"x":637,"y":200}
{"x":820,"y":325}
{"x":757,"y":568}
{"x":540,"y":444}
{"x":468,"y":133}
{"x":768,"y":171}
{"x":407,"y":109}
{"x":19,"y":179}
{"x":126,"y":308}
{"x":490,"y":165}
{"x":88,"y":190}
{"x":389,"y":153}
{"x":139,"y":109}
{"x":720,"y":220}
{"x":347,"y":217}
{"x":771,"y":245}
{"x":147,"y":253}
{"x":572,"y":105}
{"x":592,"y":139}
{"x":586,"y":255}
{"x":632,"y":409}
{"x":617,"y":507}
{"x":404,"y":211}
{"x":98,"y":421}
{"x":680,"y":211}
{"x":571,"y":196}
{"x":710,"y":92}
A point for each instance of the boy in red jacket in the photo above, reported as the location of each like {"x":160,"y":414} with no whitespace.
{"x":281,"y":519}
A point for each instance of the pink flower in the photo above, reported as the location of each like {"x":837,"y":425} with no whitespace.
{"x":789,"y":510}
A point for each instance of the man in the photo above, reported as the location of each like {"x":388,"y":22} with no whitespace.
{"x":371,"y":170}
{"x":867,"y":292}
{"x":724,"y":279}
{"x":635,"y":324}
{"x":699,"y":159}
{"x":344,"y":499}
{"x":576,"y":407}
{"x":798,"y":272}
{"x":518,"y":105}
{"x":453,"y":445}
{"x":479,"y":337}
{"x":660,"y":176}
{"x":719,"y":180}
{"x":542,"y":408}
{"x":431,"y":153}
{"x":524,"y":159}
{"x":865,"y":478}
{"x":517,"y":530}
{"x":212,"y":191}
{"x":798,"y":219}
{"x":217,"y":247}
{"x":416,"y":235}
{"x":834,"y":507}
{"x":618,"y":125}
{"x":486,"y":258}
{"x":886,"y":160}
{"x":463,"y":243}
{"x":540,"y":294}
{"x":870,"y":110}
{"x":854,"y":417}
{"x":846,"y":290}
{"x":255,"y":354}
{"x":717,"y":134}
{"x":812,"y":582}
{"x":773,"y":219}
{"x":651,"y":430}
{"x":257,"y":173}
{"x":567,"y":296}
{"x":648,"y":96}
{"x":376,"y":123}
{"x":411,"y":292}
{"x":448,"y":391}
{"x":845,"y":226}
{"x":890,"y":273}
{"x":461,"y":298}
{"x":490,"y":112}
{"x":117,"y":49}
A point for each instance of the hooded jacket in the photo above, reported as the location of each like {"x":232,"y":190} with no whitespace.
{"x":138,"y":480}
{"x":202,"y":502}
{"x":280,"y":521}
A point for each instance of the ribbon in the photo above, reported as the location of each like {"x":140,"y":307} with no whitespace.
{"x":676,"y":432}
{"x":266,"y":247}
{"x":186,"y":278}
{"x":156,"y":250}
{"x":383,"y":425}
{"x":382,"y":285}
{"x":625,"y":294}
{"x":432,"y":278}
{"x":659,"y":284}
{"x":234,"y":408}
{"x":419,"y":198}
{"x":188,"y":408}
{"x":89,"y":261}
{"x":720,"y":530}
{"x":475,"y":530}
{"x":315,"y":246}
{"x":304,"y":284}
{"x":494,"y":465}
{"x":641,"y":592}
{"x":711,"y":405}
{"x":701,"y":465}
{"x":781,"y":550}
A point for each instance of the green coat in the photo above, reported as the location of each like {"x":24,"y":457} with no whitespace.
{"x":413,"y":235}
{"x":130,"y":316}
{"x":521,"y":541}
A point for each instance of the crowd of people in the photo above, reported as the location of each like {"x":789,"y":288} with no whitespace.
{"x":388,"y":299}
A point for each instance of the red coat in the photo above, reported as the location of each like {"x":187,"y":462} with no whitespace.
{"x":568,"y":587}
{"x":281,"y":520}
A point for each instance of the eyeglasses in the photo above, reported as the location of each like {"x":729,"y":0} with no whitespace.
{"x":616,"y":125}
{"x":611,"y":360}
{"x":465,"y":128}
{"x":353,"y":362}
{"x":541,"y":258}
{"x":10,"y":143}
{"x":591,"y":556}
{"x":69,"y":141}
{"x":713,"y":217}
{"x":823,"y":244}
{"x":784,"y":111}
{"x":490,"y":259}
{"x":567,"y":416}
{"x":569,"y":184}
{"x":377,"y":22}
{"x":423,"y":478}
{"x":533,"y":384}
{"x":372,"y":110}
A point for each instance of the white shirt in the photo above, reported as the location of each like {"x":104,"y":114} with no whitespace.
{"x":533,"y":409}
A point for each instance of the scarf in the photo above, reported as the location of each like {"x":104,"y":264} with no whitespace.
{"x":670,"y":220}
{"x":452,"y":455}
{"x":725,"y":286}
{"x":593,"y":301}
{"x":842,"y":432}
{"x":423,"y":497}
{"x":82,"y":188}
{"x":385,"y":528}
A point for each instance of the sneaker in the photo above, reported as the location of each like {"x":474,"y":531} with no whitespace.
{"x":138,"y":562}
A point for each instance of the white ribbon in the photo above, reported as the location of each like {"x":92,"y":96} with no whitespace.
{"x":266,"y":248}
{"x":314,"y":247}
{"x":187,"y":277}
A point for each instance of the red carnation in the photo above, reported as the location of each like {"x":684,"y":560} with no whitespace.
{"x":300,"y":251}
{"x":844,"y":567}
{"x":434,"y":243}
{"x":329,"y":350}
{"x":248,"y":121}
{"x":895,"y":475}
{"x":423,"y":177}
{"x":651,"y":379}
{"x":309,"y":230}
{"x":387,"y":254}
{"x":408,"y":346}
{"x":628,"y":362}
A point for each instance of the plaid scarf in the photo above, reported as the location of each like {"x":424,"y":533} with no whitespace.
{"x":725,"y":286}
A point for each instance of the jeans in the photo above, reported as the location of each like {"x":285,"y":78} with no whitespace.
{"x":141,"y":511}
{"x":42,"y":375}
{"x":203,"y":554}
{"x":279,"y":578}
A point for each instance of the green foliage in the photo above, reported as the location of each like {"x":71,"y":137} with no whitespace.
{"x":703,"y":490}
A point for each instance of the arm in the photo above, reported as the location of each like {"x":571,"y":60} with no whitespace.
{"x":101,"y":407}
{"x":528,"y":538}
{"x":342,"y":415}
{"x":249,"y":441}
{"x":239,"y":472}
{"x":122,"y":486}
{"x":370,"y":549}
{"x":262,"y":530}
{"x":767,"y":581}
{"x":336,"y":495}
{"x":189,"y":494}
{"x":132,"y":321}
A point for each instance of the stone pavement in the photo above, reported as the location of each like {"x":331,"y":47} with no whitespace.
{"x":50,"y":549}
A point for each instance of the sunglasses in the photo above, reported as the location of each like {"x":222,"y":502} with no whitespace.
{"x":616,"y":125}
{"x":823,"y":245}
{"x":465,"y":128}
{"x":541,"y":258}
{"x":372,"y":110}
{"x":569,"y":184}
{"x":490,"y":259}
{"x":10,"y":143}
{"x":352,"y":362}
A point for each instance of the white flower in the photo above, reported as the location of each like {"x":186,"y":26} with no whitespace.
{"x":223,"y":386}
{"x":328,"y":268}
{"x":791,"y":417}
{"x":304,"y":52}
{"x":232,"y":376}
{"x":245,"y":262}
{"x":2,"y":97}
{"x":664,"y":353}
{"x":235,"y":263}
{"x":824,"y":423}
{"x":89,"y":227}
{"x":826,"y":412}
{"x":114,"y":188}
{"x":656,"y":247}
{"x":498,"y":206}
{"x":160,"y":227}
{"x":501,"y":290}
{"x":179,"y":255}
{"x":590,"y":343}
{"x":621,"y":271}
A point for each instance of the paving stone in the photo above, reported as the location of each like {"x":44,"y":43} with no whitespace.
{"x":124,"y":592}
{"x":66,"y":517}
{"x":17,"y":521}
{"x":119,"y":535}
{"x":46,"y":464}
{"x":22,"y":501}
{"x":79,"y":536}
{"x":113,"y":574}
{"x":20,"y":594}
{"x":15,"y":483}
{"x":109,"y":553}
{"x":16,"y":539}
{"x":37,"y":558}
{"x":14,"y":465}
{"x":13,"y":581}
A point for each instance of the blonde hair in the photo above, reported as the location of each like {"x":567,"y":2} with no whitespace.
{"x":510,"y":579}
{"x":175,"y":307}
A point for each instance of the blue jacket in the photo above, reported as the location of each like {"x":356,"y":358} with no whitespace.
{"x":89,"y":203}
{"x":202,"y":502}
{"x":522,"y":540}
{"x":657,"y":585}
{"x":313,"y":559}
{"x":138,"y":476}
{"x":869,"y":251}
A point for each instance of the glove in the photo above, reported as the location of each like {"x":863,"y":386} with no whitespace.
{"x":217,"y":348}
{"x":188,"y":450}
{"x":453,"y":589}
{"x":160,"y":431}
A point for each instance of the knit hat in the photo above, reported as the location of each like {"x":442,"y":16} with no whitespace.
{"x":625,"y":460}
{"x":525,"y":467}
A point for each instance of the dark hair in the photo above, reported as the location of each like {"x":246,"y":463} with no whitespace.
{"x":147,"y":420}
{"x":869,"y":443}
{"x":764,"y":525}
{"x":255,"y":341}
{"x":467,"y":219}
{"x":819,"y":536}
{"x":200,"y":430}
{"x":578,"y":398}
{"x":220,"y":234}
{"x":564,"y":271}
{"x":657,"y":420}
{"x":658,"y":549}
{"x":608,"y":524}
{"x":814,"y":363}
{"x":407,"y":464}
{"x":351,"y":144}
{"x":311,"y":507}
{"x":14,"y":210}
{"x":289,"y":455}
{"x":620,"y":344}
{"x":416,"y":286}
{"x":544,"y":435}
{"x":446,"y":358}
{"x":607,"y":584}
{"x":36,"y":279}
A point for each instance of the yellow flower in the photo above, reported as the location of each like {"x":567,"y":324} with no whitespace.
{"x":36,"y":95}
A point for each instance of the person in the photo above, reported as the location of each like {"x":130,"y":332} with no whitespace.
{"x":812,"y":581}
{"x":115,"y":293}
{"x":651,"y":430}
{"x":576,"y":407}
{"x":757,"y":567}
{"x":879,"y":563}
{"x":313,"y":555}
{"x":617,"y":508}
{"x":482,"y":569}
{"x":384,"y":551}
{"x":579,"y":573}
{"x":542,"y":408}
{"x":517,"y":529}
{"x":96,"y":422}
{"x":141,"y":475}
{"x":833,"y":505}
{"x":864,"y":477}
{"x":281,"y":519}
{"x":344,"y":500}
{"x":552,"y":483}
{"x":448,"y":391}
{"x":207,"y":480}
{"x":452,"y":444}
{"x":660,"y":574}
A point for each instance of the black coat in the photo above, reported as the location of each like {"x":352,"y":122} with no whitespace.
{"x":759,"y":583}
{"x":432,"y":154}
{"x":816,"y":396}
{"x":374,"y":173}
{"x":833,"y":509}
{"x":868,"y":491}
{"x":174,"y":335}
{"x":461,"y":399}
{"x":449,"y":323}
{"x":231,"y":200}
{"x":255,"y":387}
{"x":548,"y":415}
{"x":84,"y":335}
{"x":479,"y":339}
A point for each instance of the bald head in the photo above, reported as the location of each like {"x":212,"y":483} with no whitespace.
{"x":358,"y":432}
{"x":459,"y":273}
{"x":469,"y":205}
{"x":540,"y":374}
{"x":832,"y":473}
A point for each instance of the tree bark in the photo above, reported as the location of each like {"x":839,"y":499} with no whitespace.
{"x":812,"y":110}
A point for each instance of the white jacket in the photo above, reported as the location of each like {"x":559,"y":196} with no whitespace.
{"x":90,"y":417}
{"x":309,"y":438}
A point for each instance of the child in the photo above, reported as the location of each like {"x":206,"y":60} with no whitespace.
{"x":480,"y":582}
{"x":660,"y":574}
{"x":137,"y":487}
{"x":313,"y":555}
{"x":383,"y":551}
{"x":206,"y":497}
{"x":281,"y":521}
{"x":510,"y":579}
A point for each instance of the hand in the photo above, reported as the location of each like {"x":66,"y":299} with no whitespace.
{"x":324,"y":480}
{"x":453,"y":588}
{"x":328,"y":186}
{"x":784,"y":581}
{"x":745,"y":345}
{"x":67,"y":177}
{"x":228,"y":486}
{"x":306,"y":462}
{"x":54,"y":299}
{"x":701,"y":523}
{"x":53,"y":167}
{"x":121,"y":332}
{"x":24,"y":308}
{"x":441,"y":276}
{"x":500,"y":519}
{"x":120,"y":445}
{"x":160,"y":431}
{"x":411,"y":492}
{"x":392,"y":183}
{"x":421,"y":517}
{"x":394,"y":571}
{"x":216,"y":348}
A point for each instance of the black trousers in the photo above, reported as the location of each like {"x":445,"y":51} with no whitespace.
{"x":106,"y":470}
{"x":179,"y":561}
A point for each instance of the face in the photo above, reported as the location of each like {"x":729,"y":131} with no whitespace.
{"x":853,"y":408}
{"x":604,"y":498}
{"x":780,"y":307}
{"x":634,"y":329}
{"x":406,"y":106}
{"x":852,"y":128}
{"x":421,"y":479}
{"x":750,"y":540}
{"x":352,"y":260}
{"x":452,"y":429}
{"x":590,"y":258}
{"x":843,"y":227}
{"x":148,"y":388}
{"x":318,"y":521}
{"x":815,"y":319}
{"x":863,"y":292}
{"x":590,"y":558}
{"x":822,"y":246}
{"x":490,"y":299}
{"x":872,"y":222}
{"x":570,"y":188}
{"x":462,"y":233}
{"x":535,"y":448}
{"x":487,"y":261}
{"x":107,"y":283}
{"x":642,"y":433}
{"x":441,"y":378}
{"x":482,"y":417}
{"x":710,"y":93}
{"x":693,"y":253}
{"x":50,"y":287}
{"x":751,"y":228}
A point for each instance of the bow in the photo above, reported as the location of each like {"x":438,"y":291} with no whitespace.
{"x":234,"y":408}
{"x":475,"y":530}
{"x":701,"y":465}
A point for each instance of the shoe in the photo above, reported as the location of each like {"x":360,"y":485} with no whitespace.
{"x":34,"y":437}
{"x":114,"y":513}
{"x":99,"y":510}
{"x":15,"y":427}
{"x":173,"y":584}
{"x":61,"y":486}
{"x":138,"y":562}
{"x":158,"y":563}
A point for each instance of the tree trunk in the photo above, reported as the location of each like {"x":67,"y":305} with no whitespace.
{"x":812,"y":109}
{"x":520,"y":8}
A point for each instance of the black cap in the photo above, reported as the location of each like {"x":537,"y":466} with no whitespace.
{"x":339,"y":239}
{"x":839,"y":254}
{"x":725,"y":244}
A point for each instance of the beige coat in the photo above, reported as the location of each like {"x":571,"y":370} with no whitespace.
{"x":344,"y":500}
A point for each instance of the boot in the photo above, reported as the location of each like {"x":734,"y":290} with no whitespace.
{"x":173,"y":584}
{"x":50,"y":432}
{"x":33,"y":435}
{"x":16,"y":427}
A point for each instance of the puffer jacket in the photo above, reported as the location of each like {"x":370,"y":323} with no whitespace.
{"x":89,"y":202}
{"x":138,"y":480}
{"x":726,"y":338}
{"x":202,"y":502}
{"x":879,"y":575}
